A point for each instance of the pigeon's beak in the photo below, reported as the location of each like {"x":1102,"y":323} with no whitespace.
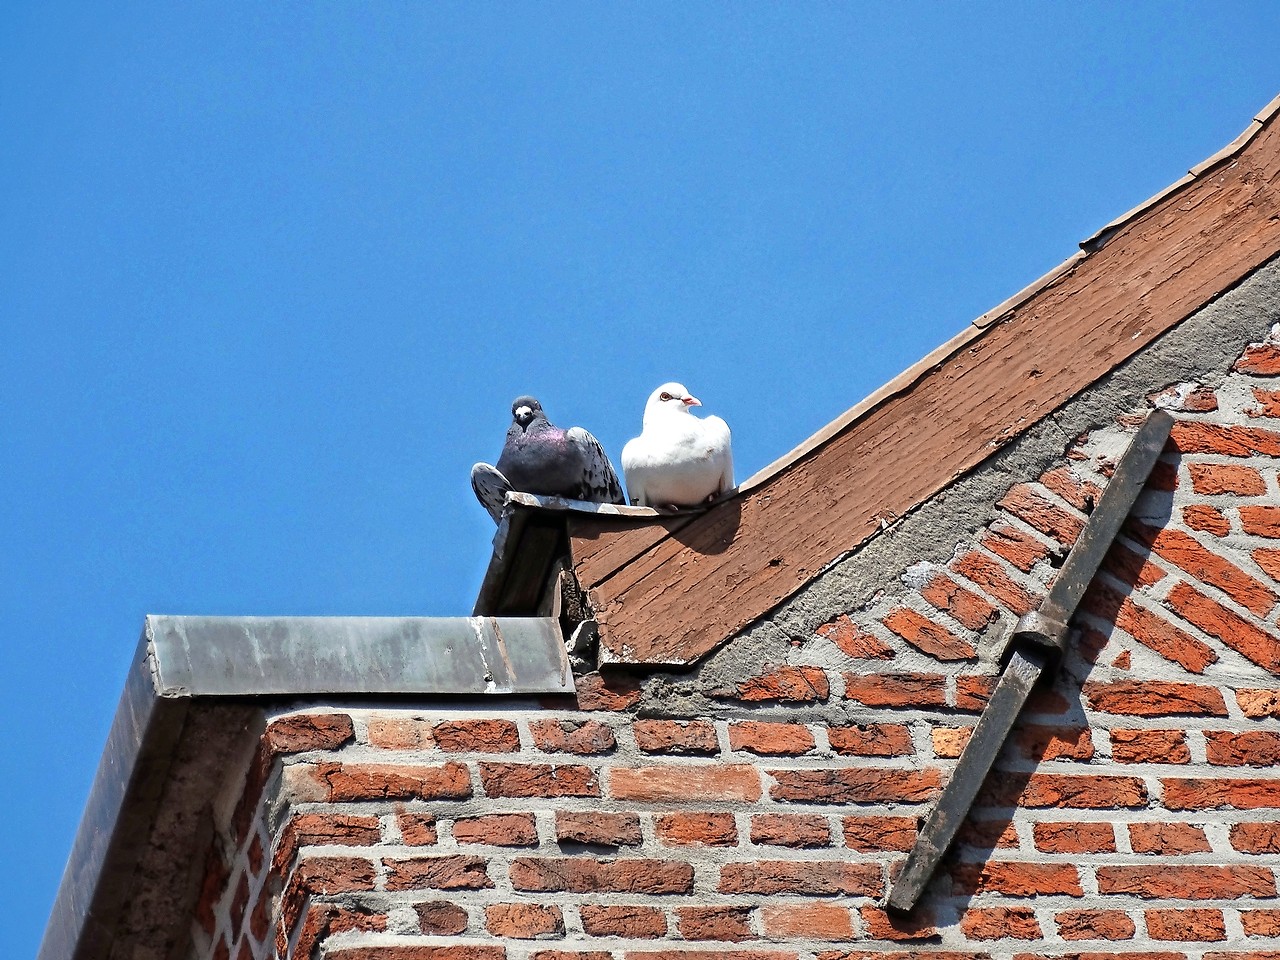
{"x":692,"y":402}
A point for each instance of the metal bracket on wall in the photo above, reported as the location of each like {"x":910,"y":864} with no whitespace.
{"x":1036,"y":645}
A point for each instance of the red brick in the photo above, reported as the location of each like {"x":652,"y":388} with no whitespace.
{"x":441,"y":918}
{"x":1259,"y":748}
{"x":1043,"y":790}
{"x":770,"y":739}
{"x":1213,"y":479}
{"x":1216,"y":620}
{"x":1203,"y":794}
{"x":1206,"y":565}
{"x":987,"y":834}
{"x":1242,"y":955}
{"x":1260,"y":923}
{"x":1149,"y":746}
{"x":949,"y":742}
{"x":1031,"y":506}
{"x":1130,"y":568}
{"x":1267,"y":405}
{"x":256,"y":855}
{"x":571,"y":955}
{"x":781,"y":685}
{"x":1190,"y":926}
{"x":240,"y":900}
{"x":326,"y":875}
{"x":416,"y":952}
{"x":1020,"y":549}
{"x":538,"y":780}
{"x":342,"y":919}
{"x":1075,"y":837}
{"x":846,"y":785}
{"x":386,"y":781}
{"x":497,"y":830}
{"x":1167,"y":839}
{"x":309,"y":731}
{"x":524,"y":921}
{"x":1256,"y":837}
{"x":1259,"y":704}
{"x":631,"y":921}
{"x":1199,"y":882}
{"x":872,"y":740}
{"x":876,"y":834}
{"x":996,"y":923}
{"x":1260,"y":359}
{"x":601,"y":829}
{"x":1192,"y":437}
{"x":699,"y":829}
{"x":973,"y":692}
{"x":1269,"y":561}
{"x":1094,"y":925}
{"x":854,"y":641}
{"x":1201,"y":516}
{"x":1185,"y":397}
{"x":399,"y":733}
{"x":582,"y":875}
{"x":930,"y":638}
{"x":1054,"y":743}
{"x":1016,"y":879}
{"x":477,"y":736}
{"x":583,"y":737}
{"x":417,"y":829}
{"x":732,"y":924}
{"x":438,"y":873}
{"x":887,"y":926}
{"x":676,"y":736}
{"x":1152,"y":698}
{"x":216,"y":875}
{"x":321,"y":829}
{"x":901,"y":690}
{"x":618,"y":692}
{"x":806,"y":921}
{"x":986,"y":573}
{"x":800,"y":830}
{"x":1260,"y":521}
{"x":812,"y":878}
{"x":1081,"y":494}
{"x":679,"y":783}
{"x":967,"y":607}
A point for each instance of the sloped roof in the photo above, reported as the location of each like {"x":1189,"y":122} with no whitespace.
{"x":669,"y":592}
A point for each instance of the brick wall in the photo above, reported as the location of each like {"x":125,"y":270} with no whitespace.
{"x":759,"y":814}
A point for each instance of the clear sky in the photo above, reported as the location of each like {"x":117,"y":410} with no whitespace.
{"x":271,"y":274}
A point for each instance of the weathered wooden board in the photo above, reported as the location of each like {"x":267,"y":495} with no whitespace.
{"x":669,"y":596}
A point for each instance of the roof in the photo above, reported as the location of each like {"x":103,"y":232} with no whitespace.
{"x":671,"y":591}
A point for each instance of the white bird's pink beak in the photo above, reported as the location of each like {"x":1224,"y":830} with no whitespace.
{"x":691,"y":402}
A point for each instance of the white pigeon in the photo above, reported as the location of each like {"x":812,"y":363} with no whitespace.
{"x":678,"y":460}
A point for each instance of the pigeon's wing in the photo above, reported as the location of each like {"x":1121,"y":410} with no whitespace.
{"x":491,"y":489}
{"x":718,"y":431}
{"x":599,"y":481}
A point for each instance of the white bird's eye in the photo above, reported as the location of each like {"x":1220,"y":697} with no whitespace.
{"x":664,"y":396}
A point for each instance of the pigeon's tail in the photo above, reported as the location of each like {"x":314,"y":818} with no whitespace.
{"x":491,"y":489}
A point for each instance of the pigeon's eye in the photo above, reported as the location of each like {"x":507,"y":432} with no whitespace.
{"x":664,"y":396}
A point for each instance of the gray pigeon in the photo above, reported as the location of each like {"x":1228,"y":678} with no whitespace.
{"x":542,"y":459}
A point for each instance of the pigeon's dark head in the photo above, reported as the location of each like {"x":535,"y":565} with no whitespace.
{"x":524,"y":410}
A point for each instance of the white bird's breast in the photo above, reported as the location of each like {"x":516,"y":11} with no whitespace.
{"x":680,"y":460}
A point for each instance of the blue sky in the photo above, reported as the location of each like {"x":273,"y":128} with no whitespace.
{"x":271,"y":274}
